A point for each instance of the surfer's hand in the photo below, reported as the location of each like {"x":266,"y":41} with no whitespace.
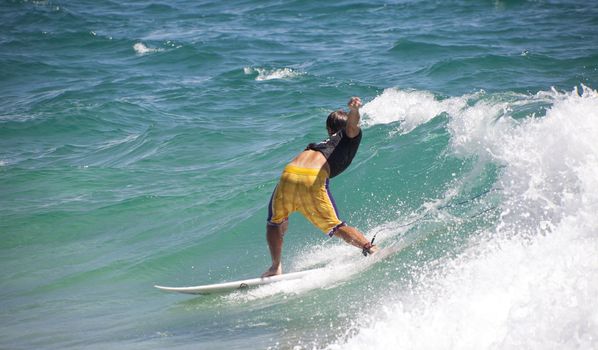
{"x":354,"y":103}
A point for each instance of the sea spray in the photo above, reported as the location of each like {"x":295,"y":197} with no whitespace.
{"x":142,"y":49}
{"x":409,"y":107}
{"x":272,"y":74}
{"x":529,"y":282}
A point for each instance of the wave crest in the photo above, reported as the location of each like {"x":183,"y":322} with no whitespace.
{"x":271,"y":74}
{"x":142,"y":49}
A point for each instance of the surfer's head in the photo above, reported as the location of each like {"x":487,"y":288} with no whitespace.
{"x":336,"y":121}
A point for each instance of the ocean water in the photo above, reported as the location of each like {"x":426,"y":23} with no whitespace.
{"x":140,"y":142}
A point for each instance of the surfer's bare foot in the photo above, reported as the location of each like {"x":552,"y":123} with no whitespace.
{"x":369,"y":249}
{"x":273,"y":271}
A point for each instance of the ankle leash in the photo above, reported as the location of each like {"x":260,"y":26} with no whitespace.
{"x":366,"y":247}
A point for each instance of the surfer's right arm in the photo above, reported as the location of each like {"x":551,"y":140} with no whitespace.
{"x":352,"y":128}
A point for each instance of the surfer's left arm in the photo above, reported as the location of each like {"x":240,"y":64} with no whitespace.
{"x":352,"y":128}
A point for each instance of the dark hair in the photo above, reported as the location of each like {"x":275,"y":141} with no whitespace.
{"x":336,"y":121}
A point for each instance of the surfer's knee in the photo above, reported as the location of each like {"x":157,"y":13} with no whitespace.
{"x":278,"y":227}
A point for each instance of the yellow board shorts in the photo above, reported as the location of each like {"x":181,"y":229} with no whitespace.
{"x":307,"y":191}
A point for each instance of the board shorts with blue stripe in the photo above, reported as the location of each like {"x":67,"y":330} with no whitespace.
{"x":306,"y":191}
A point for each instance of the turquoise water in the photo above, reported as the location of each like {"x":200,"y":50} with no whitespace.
{"x":140,"y":143}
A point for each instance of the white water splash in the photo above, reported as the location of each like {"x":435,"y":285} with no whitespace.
{"x":270,"y":74}
{"x":339,"y":265}
{"x":142,"y":49}
{"x":410,"y":108}
{"x":531,"y":282}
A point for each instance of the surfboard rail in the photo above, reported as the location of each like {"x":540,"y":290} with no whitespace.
{"x":254,"y":282}
{"x":236,"y":285}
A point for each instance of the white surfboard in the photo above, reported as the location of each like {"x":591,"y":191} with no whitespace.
{"x":253,"y":282}
{"x":243,"y":284}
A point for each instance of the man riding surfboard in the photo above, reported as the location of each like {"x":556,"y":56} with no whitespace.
{"x":304,"y":186}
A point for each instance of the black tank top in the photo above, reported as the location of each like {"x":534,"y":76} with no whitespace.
{"x":339,"y":150}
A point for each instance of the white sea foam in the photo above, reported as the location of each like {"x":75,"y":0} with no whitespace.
{"x":544,"y":158}
{"x":339,"y":265}
{"x":504,"y":295}
{"x":410,"y":108}
{"x":270,"y":74}
{"x":530,"y":282}
{"x":142,"y":49}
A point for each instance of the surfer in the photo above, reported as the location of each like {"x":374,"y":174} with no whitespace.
{"x":304,"y":186}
